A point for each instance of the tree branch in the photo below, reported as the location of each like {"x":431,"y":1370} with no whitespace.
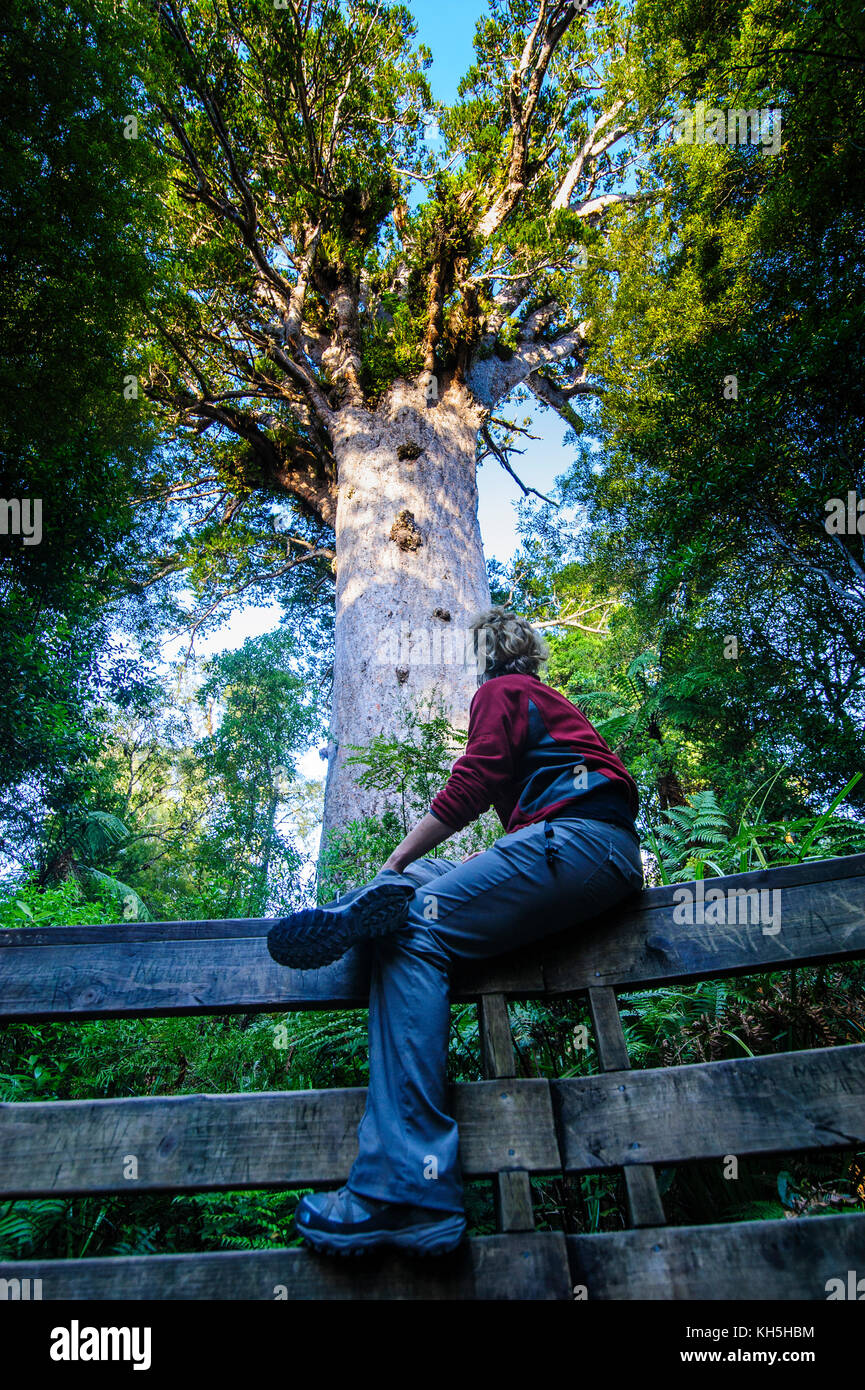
{"x":559,"y":397}
{"x":591,"y":149}
{"x":501,"y":455}
{"x":491,"y":379}
{"x":534,"y":62}
{"x":575,"y":618}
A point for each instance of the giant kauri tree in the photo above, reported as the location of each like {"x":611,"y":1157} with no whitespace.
{"x":345,"y":307}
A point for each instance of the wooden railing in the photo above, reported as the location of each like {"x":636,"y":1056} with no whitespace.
{"x":511,"y":1128}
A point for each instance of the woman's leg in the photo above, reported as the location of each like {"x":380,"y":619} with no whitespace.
{"x":532,"y":883}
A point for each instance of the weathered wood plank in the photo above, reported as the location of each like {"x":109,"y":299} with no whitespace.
{"x":157,"y":979}
{"x":487,"y":1267}
{"x":497,"y":1044}
{"x":607,"y":1026}
{"x":270,"y":1139}
{"x":645,"y":1207}
{"x":512,"y":1195}
{"x":642,"y":945}
{"x":132,"y":932}
{"x":821,"y":920}
{"x":794,"y":1101}
{"x":744,"y":1261}
{"x":512,"y":1190}
{"x":199,"y":976}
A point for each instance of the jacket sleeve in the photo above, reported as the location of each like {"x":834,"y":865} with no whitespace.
{"x":486,"y":768}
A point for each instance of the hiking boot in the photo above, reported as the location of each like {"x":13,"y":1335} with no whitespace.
{"x":316,"y":936}
{"x":344,"y":1223}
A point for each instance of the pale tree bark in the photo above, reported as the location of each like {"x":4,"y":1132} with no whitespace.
{"x":410,"y":573}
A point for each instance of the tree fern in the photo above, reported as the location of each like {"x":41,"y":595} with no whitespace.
{"x":23,"y":1225}
{"x":686,"y":835}
{"x":132,"y":907}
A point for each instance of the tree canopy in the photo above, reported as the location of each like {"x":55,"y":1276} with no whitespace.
{"x":227,"y":226}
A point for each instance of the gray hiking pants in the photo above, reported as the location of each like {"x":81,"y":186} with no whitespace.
{"x":536,"y":881}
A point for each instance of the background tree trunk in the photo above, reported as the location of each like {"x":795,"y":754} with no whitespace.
{"x":410,"y":573}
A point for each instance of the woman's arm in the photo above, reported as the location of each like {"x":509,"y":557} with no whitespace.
{"x":497,"y":726}
{"x":428,"y":833}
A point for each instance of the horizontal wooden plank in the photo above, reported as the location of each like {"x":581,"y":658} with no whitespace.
{"x":821,"y":919}
{"x":746,"y":1261}
{"x":156,"y":979}
{"x":816,"y":871}
{"x":787,"y":1103}
{"x":643,"y":946}
{"x":791,"y":1102}
{"x":200,"y":976}
{"x":750,"y":1261}
{"x":509,"y":1267}
{"x":210,"y":929}
{"x":268,"y":1139}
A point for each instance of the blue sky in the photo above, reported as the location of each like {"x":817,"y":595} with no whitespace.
{"x":447,"y":28}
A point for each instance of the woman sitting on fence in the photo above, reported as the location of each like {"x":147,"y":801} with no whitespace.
{"x":570,"y":851}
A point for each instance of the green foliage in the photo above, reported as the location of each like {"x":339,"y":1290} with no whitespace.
{"x":73,"y":839}
{"x":413,"y":766}
{"x":707,"y":509}
{"x":248,"y":762}
{"x":26,"y":1226}
{"x":204,"y":810}
{"x":31,"y":905}
{"x":690,"y":840}
{"x":407,"y":771}
{"x":688,"y":835}
{"x":391,"y":346}
{"x":77,"y":207}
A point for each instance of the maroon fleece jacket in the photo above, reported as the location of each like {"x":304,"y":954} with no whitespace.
{"x":533,"y":756}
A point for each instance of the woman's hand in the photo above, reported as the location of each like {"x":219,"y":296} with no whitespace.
{"x":395,"y":863}
{"x":427,"y":834}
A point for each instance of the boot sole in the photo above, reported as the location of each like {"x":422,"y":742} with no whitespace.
{"x":315,"y":937}
{"x":440,"y":1238}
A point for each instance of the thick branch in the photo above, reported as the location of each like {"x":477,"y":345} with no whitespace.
{"x":535,"y":60}
{"x":492,"y":379}
{"x":342,"y":356}
{"x":592,"y":149}
{"x":593,"y":206}
{"x":291,"y":462}
{"x":559,"y":397}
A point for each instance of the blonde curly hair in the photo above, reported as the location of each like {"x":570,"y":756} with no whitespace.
{"x":506,"y":644}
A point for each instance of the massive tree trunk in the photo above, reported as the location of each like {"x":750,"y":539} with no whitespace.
{"x":410,"y":572}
